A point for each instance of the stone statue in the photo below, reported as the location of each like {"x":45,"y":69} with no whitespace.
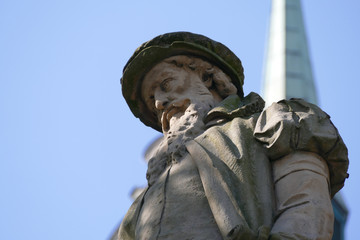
{"x":226,"y":168}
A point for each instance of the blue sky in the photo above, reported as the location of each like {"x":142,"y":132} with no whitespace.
{"x":70,"y":149}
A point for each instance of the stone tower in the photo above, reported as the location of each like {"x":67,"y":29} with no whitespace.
{"x":287,"y":72}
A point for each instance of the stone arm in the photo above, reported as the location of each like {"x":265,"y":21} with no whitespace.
{"x":309,"y":164}
{"x":303,"y":202}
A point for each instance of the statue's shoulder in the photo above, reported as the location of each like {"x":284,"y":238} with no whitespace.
{"x":296,"y":125}
{"x":235,"y":107}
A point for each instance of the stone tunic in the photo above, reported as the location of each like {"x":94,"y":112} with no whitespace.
{"x":162,"y":217}
{"x":245,"y":155}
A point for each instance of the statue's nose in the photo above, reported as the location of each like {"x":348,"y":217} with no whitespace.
{"x":162,"y":100}
{"x":160,"y":104}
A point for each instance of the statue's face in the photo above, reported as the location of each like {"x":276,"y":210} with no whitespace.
{"x":169,"y":90}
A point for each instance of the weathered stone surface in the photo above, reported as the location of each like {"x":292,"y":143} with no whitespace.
{"x":226,"y":168}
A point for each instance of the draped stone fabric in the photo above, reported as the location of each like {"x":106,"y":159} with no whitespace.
{"x":303,"y":205}
{"x":296,"y":125}
{"x":238,"y":156}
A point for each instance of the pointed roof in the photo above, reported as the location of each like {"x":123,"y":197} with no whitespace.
{"x":287,"y":71}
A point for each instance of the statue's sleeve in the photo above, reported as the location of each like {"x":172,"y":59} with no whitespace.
{"x":309,"y":165}
{"x":295,"y":125}
{"x":127,"y":228}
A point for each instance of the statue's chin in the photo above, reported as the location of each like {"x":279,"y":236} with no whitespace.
{"x":170,"y":121}
{"x":176,"y":122}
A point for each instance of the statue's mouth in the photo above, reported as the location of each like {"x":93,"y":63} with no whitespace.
{"x":173,"y":109}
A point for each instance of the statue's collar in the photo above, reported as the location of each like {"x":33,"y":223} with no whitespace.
{"x":233,"y":106}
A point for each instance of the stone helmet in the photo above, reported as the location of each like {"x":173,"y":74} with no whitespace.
{"x":167,"y":45}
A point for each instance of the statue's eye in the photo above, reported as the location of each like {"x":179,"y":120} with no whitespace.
{"x":206,"y":76}
{"x":166,"y":84}
{"x":151,"y":102}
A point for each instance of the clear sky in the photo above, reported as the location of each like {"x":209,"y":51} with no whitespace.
{"x":70,"y":149}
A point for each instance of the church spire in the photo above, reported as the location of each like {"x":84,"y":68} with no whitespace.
{"x":287,"y":72}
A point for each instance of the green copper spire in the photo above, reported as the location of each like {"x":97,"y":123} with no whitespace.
{"x":287,"y":72}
